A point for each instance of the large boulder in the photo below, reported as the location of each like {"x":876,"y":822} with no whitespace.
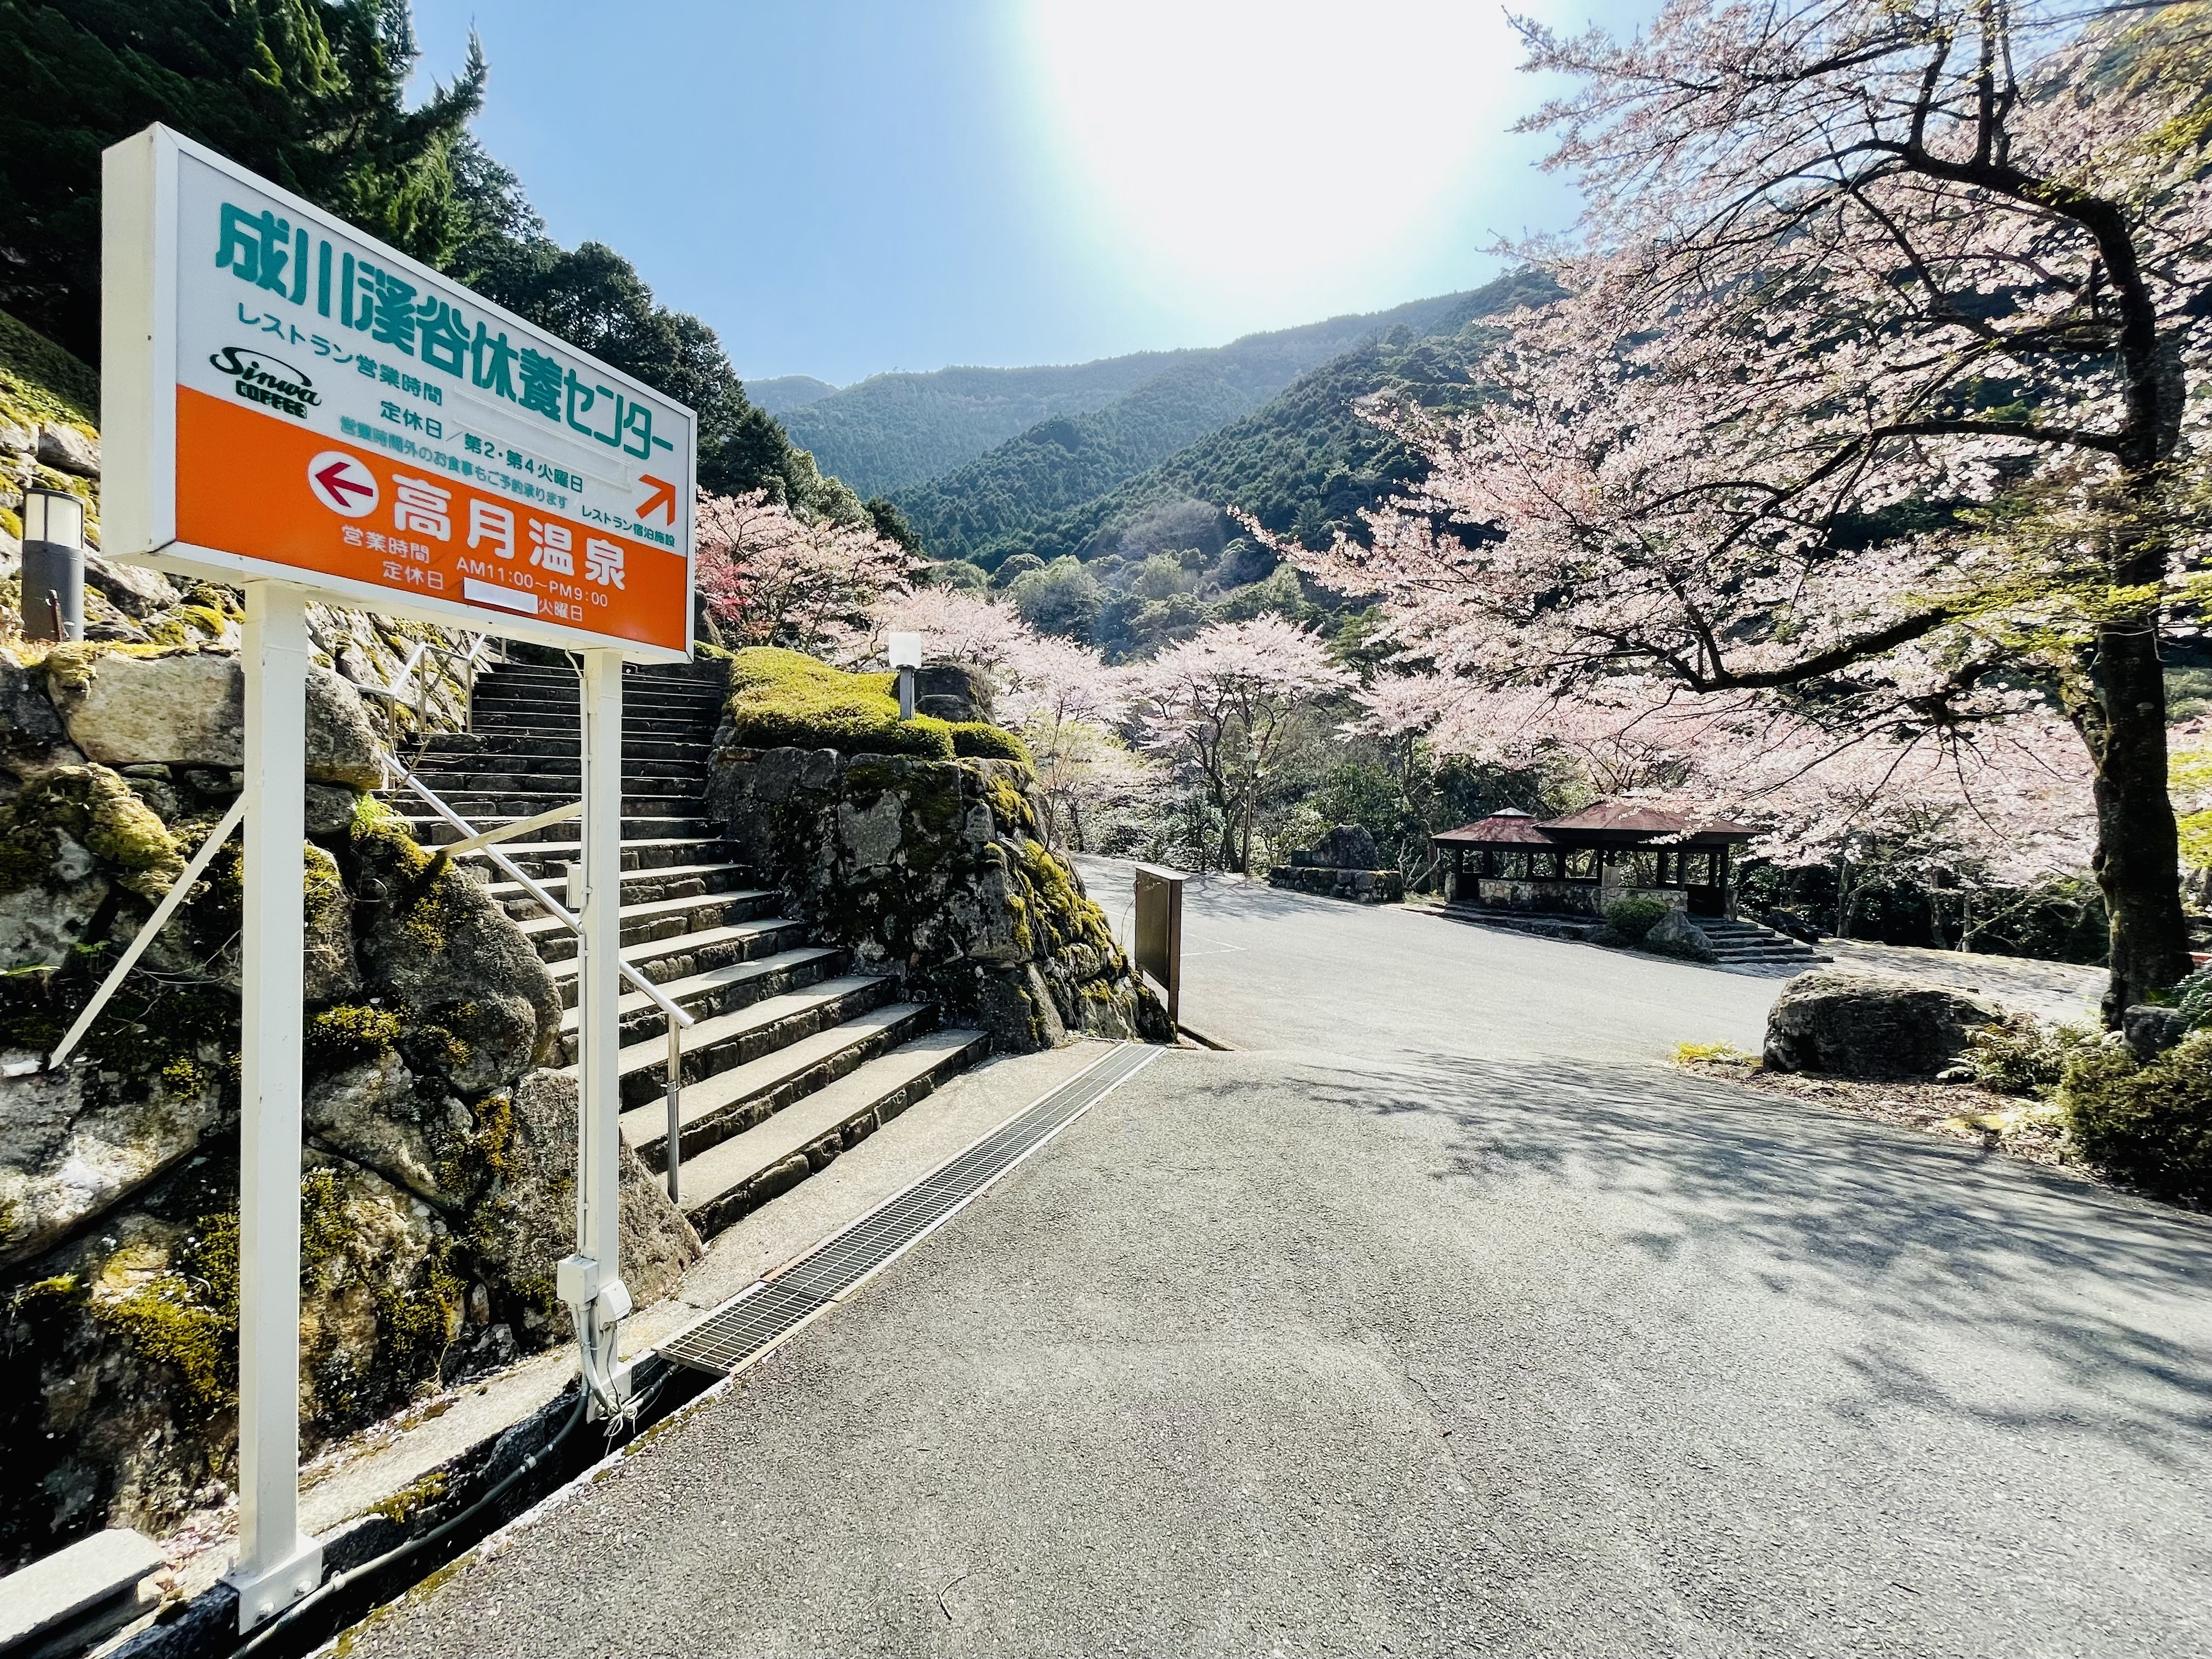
{"x":73,"y":1145}
{"x":952,"y":692}
{"x":68,"y":449}
{"x":1675,"y":935}
{"x":1347,"y":847}
{"x":1869,"y":1025}
{"x":528,"y":1223}
{"x":434,"y":942}
{"x":136,"y":590}
{"x":30,"y":733}
{"x":188,"y":708}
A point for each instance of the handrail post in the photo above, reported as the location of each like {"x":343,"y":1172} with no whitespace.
{"x":675,"y":1102}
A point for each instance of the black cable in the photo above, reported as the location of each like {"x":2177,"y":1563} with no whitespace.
{"x":268,"y":1632}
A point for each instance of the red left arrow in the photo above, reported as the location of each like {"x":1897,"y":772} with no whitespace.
{"x":333,"y":479}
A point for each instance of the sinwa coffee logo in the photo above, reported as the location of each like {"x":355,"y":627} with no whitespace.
{"x":259,"y":382}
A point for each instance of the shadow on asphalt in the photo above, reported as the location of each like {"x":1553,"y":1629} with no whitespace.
{"x":1837,"y":1210}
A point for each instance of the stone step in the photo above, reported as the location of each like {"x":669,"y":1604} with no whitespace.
{"x":753,"y":1032}
{"x":733,"y":1177}
{"x":511,"y":712}
{"x":633,"y":678}
{"x":434,"y":832}
{"x":731,"y":1100}
{"x":683,"y":955}
{"x":659,"y":919}
{"x":492,"y":695}
{"x":718,"y":990}
{"x":663,"y":798}
{"x":468,"y":774}
{"x":639,"y":886}
{"x":544,"y":860}
{"x":502,"y":745}
{"x":541,"y":719}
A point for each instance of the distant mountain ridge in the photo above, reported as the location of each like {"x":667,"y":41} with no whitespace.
{"x":786,"y":392}
{"x":893,"y":433}
{"x":1303,"y":461}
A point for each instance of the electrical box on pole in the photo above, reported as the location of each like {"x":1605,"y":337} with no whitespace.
{"x":292,"y":407}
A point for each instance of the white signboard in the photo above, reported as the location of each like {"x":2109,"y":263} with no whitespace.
{"x":284,"y":397}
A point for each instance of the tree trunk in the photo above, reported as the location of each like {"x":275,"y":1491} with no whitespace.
{"x":2137,"y":860}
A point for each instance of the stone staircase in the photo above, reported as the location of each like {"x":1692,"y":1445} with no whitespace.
{"x":1748,"y":944}
{"x":794,"y":1056}
{"x":1737,"y":943}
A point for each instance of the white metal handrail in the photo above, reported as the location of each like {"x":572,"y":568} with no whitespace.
{"x":411,"y":682}
{"x":154,"y":923}
{"x":482,"y":841}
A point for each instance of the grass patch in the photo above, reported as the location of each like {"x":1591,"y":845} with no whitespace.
{"x":976,"y":740}
{"x":1712,"y":1053}
{"x":781,"y":699}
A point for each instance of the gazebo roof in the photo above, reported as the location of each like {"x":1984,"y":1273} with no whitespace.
{"x":1635,"y":820}
{"x":1605,"y":822}
{"x":1511,"y":828}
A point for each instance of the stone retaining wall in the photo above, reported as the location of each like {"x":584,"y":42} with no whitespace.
{"x":936,"y":872}
{"x":1360,"y":886}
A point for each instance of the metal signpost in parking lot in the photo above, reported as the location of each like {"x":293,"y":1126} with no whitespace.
{"x":1159,"y":942}
{"x":291,"y":406}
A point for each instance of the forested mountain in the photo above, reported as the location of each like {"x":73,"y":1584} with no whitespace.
{"x":786,"y":392}
{"x":893,"y":432}
{"x":1305,"y":462}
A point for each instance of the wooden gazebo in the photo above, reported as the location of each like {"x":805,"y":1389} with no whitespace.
{"x":1583,"y":861}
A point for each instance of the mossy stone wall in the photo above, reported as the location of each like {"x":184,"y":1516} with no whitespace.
{"x":936,"y":872}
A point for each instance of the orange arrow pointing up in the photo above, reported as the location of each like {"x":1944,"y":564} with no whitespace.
{"x":663,"y":499}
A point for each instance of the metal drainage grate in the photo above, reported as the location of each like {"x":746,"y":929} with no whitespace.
{"x":761,"y":1313}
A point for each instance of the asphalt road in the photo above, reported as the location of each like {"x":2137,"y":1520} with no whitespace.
{"x":1442,"y":1319}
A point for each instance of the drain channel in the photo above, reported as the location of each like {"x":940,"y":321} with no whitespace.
{"x":727,"y":1338}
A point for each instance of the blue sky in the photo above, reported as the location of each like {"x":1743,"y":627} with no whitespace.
{"x":845,"y":186}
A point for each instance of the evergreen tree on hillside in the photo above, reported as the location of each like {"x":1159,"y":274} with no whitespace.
{"x":312,"y":94}
{"x":308,"y":93}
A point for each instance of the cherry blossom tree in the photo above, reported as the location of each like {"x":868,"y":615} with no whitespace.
{"x":1228,"y":708}
{"x":1060,"y":696}
{"x":956,"y":626}
{"x":1878,"y":392}
{"x":771,"y":578}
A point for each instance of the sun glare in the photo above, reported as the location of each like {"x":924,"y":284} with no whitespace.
{"x":1284,"y":157}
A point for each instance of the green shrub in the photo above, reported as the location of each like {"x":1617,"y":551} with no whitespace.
{"x":2023,"y":1056}
{"x":2151,"y":1125}
{"x":978,"y":740}
{"x":1633,"y":918}
{"x":2193,"y":996}
{"x":783,"y":698}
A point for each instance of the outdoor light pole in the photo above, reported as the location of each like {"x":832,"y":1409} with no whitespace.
{"x":906,"y":657}
{"x":53,"y":565}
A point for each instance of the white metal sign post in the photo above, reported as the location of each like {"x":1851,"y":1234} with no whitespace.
{"x":278,"y":1565}
{"x":291,"y":406}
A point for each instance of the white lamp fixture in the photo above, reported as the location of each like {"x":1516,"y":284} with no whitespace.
{"x":53,"y":565}
{"x":53,"y":515}
{"x":906,"y":657}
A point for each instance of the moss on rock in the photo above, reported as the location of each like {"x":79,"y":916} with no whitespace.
{"x":96,"y":808}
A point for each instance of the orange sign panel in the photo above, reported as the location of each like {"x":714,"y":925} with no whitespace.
{"x":300,"y":500}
